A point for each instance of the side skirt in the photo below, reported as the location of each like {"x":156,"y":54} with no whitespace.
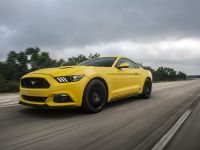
{"x":123,"y":97}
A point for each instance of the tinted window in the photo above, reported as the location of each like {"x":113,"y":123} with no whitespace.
{"x":125,"y":60}
{"x":99,"y":62}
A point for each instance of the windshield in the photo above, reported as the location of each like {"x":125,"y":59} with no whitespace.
{"x":99,"y":62}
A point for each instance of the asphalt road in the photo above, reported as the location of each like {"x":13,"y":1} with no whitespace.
{"x":127,"y":124}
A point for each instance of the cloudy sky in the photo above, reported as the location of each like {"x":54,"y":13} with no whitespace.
{"x":154,"y":32}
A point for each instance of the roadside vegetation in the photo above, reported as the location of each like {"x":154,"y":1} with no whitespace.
{"x":19,"y":63}
{"x":166,"y":74}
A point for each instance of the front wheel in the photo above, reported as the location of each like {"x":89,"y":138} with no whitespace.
{"x":146,"y":93}
{"x":95,"y":96}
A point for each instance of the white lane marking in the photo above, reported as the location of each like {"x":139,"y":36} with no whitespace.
{"x":7,"y":100}
{"x":160,"y":145}
{"x":9,"y":105}
{"x":10,"y":102}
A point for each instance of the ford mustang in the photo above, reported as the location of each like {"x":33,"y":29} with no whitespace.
{"x":90,"y":84}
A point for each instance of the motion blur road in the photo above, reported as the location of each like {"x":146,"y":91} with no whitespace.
{"x":127,"y":124}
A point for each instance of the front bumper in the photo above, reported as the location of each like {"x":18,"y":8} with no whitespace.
{"x":73,"y":89}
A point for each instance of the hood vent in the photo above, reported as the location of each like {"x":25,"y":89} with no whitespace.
{"x":65,"y":67}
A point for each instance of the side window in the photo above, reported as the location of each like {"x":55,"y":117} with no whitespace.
{"x":134,"y":65}
{"x":125,"y":60}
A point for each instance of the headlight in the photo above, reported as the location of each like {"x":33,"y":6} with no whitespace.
{"x":64,"y":79}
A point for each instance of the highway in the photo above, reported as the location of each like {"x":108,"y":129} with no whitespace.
{"x":127,"y":124}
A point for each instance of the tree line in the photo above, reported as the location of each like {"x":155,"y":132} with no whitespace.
{"x":166,"y":74}
{"x":18,"y":64}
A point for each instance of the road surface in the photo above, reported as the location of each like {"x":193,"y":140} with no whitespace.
{"x":127,"y":124}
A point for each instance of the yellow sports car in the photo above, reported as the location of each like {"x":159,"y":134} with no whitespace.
{"x":89,"y":85}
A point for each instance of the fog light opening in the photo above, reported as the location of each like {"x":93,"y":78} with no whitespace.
{"x":62,"y":98}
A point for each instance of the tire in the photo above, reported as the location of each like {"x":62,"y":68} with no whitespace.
{"x":95,"y":96}
{"x":147,"y":88}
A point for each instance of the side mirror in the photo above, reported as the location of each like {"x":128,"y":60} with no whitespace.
{"x":123,"y":65}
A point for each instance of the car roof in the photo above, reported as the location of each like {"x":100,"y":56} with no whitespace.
{"x":112,"y":56}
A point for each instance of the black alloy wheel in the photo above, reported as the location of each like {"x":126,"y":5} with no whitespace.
{"x":95,"y":96}
{"x":146,"y":93}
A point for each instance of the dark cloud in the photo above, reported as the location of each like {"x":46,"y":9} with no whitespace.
{"x":76,"y":24}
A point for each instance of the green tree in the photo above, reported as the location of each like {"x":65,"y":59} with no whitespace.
{"x":11,"y":66}
{"x":44,"y":61}
{"x":2,"y":82}
{"x":181,"y":76}
{"x":92,"y":56}
{"x":22,"y":62}
{"x":2,"y":66}
{"x":166,"y":74}
{"x":15,"y":66}
{"x":33,"y":56}
{"x":38,"y":59}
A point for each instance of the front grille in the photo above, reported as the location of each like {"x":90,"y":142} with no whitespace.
{"x":34,"y":83}
{"x":34,"y":98}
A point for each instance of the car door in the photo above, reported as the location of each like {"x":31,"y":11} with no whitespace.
{"x":126,"y":81}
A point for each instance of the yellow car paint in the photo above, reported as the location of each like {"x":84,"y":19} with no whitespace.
{"x":120,"y":82}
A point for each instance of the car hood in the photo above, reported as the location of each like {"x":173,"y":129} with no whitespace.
{"x":60,"y":71}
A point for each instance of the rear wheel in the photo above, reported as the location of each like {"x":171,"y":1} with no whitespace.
{"x":95,"y":96}
{"x":146,"y":93}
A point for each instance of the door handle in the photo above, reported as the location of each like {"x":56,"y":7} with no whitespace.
{"x":137,"y":73}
